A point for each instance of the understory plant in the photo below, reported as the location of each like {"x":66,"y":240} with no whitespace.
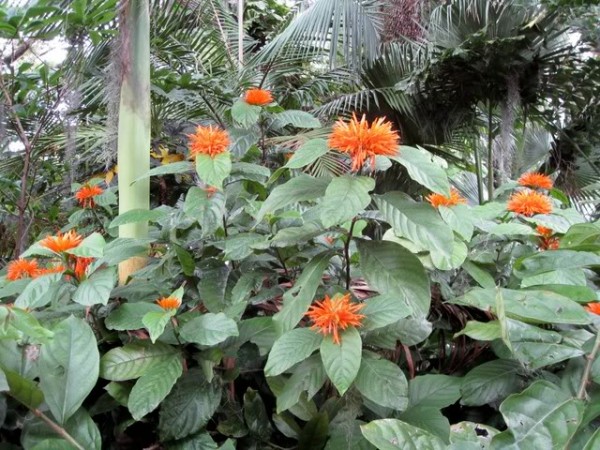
{"x":289,"y":303}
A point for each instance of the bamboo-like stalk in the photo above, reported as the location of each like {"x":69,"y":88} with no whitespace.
{"x":490,"y":156}
{"x":240,"y":34}
{"x":134,"y":123}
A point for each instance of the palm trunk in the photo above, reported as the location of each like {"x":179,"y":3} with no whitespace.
{"x":134,"y":123}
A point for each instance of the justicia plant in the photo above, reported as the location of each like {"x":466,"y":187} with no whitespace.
{"x":285,"y":308}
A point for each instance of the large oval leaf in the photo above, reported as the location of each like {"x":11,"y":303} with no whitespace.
{"x":392,"y":434}
{"x":292,"y":347}
{"x":342,"y":361}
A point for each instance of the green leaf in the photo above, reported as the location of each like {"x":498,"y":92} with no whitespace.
{"x":298,"y":189}
{"x":129,"y":316}
{"x":458,"y":218}
{"x":395,"y":272}
{"x":29,"y":325}
{"x":69,"y":367}
{"x":490,"y":382}
{"x":255,"y":415}
{"x":156,"y":321}
{"x":245,"y":114}
{"x":308,"y":153}
{"x":437,"y":391}
{"x":346,"y":436}
{"x":137,"y":216}
{"x":297,"y":300}
{"x":309,"y":376}
{"x":292,"y":347}
{"x":186,"y":260}
{"x":594,"y":441}
{"x":260,"y":331}
{"x":541,"y":306}
{"x":240,"y":246}
{"x":209,"y":329}
{"x":382,"y":382}
{"x":169,"y":169}
{"x":383,"y":310}
{"x":573,"y":277}
{"x":392,"y":434}
{"x":553,"y":260}
{"x":342,"y":361}
{"x":287,"y":237}
{"x":207,"y":211}
{"x":427,"y":418}
{"x":314,"y":434}
{"x":3,"y":382}
{"x":152,"y":387}
{"x":91,"y":247}
{"x":39,"y":292}
{"x":481,"y":276}
{"x":189,"y":406}
{"x":23,"y":390}
{"x":80,"y":426}
{"x":481,"y":331}
{"x":421,"y":168}
{"x":298,"y":119}
{"x":96,"y":288}
{"x":417,"y":222}
{"x":213,"y":170}
{"x":542,"y":416}
{"x":581,"y":234}
{"x":510,"y":229}
{"x":345,"y":197}
{"x":471,"y":436}
{"x":134,"y":360}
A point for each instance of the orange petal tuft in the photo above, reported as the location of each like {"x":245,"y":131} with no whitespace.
{"x":438,"y":200}
{"x":169,"y":303}
{"x":209,"y":141}
{"x":529,"y":203}
{"x":85,"y":195}
{"x":329,"y":316}
{"x":535,"y":180}
{"x":258,"y":97}
{"x":62,"y":242}
{"x":22,"y":268}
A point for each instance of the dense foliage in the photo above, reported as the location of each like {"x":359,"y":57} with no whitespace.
{"x":371,"y":283}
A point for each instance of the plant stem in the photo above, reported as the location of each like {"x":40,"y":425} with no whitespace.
{"x":347,"y":253}
{"x":479,"y":171}
{"x":588,"y":367}
{"x":57,"y":428}
{"x":490,"y":155}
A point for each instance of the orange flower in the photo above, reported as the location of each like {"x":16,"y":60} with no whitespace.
{"x":438,"y":200}
{"x":549,"y":243}
{"x":210,"y":191}
{"x":593,"y":307}
{"x":208,"y":141}
{"x":535,"y":180}
{"x":543,"y":231}
{"x":361,"y":140}
{"x":169,"y":302}
{"x":258,"y":97}
{"x":85,"y":195}
{"x":81,"y":265}
{"x":22,"y":268}
{"x":57,"y":268}
{"x":331,"y":315}
{"x":529,"y":203}
{"x":62,"y":242}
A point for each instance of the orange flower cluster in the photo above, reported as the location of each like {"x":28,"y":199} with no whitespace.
{"x":593,"y":307}
{"x":529,"y":203}
{"x":258,"y":97}
{"x":546,"y":240}
{"x":62,"y":242}
{"x":209,"y":141}
{"x":437,"y":200}
{"x":329,"y":316}
{"x":361,"y":140}
{"x":85,"y":195}
{"x":22,"y":268}
{"x":535,"y":180}
{"x":169,"y":302}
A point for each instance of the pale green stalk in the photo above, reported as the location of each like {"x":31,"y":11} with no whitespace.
{"x":134,"y":122}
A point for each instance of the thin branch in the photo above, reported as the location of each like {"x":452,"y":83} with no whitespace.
{"x":57,"y":429}
{"x":585,"y":379}
{"x":347,"y":253}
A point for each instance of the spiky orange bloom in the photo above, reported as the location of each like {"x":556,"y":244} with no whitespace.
{"x":22,"y":268}
{"x":331,"y":315}
{"x":361,"y":140}
{"x":209,"y":141}
{"x":85,"y":195}
{"x":438,"y":200}
{"x":169,"y":302}
{"x":535,"y":180}
{"x":544,"y":231}
{"x":258,"y":97}
{"x":56,"y":268}
{"x":81,"y":265}
{"x":62,"y":242}
{"x":593,"y":307}
{"x":549,"y":243}
{"x":529,"y":203}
